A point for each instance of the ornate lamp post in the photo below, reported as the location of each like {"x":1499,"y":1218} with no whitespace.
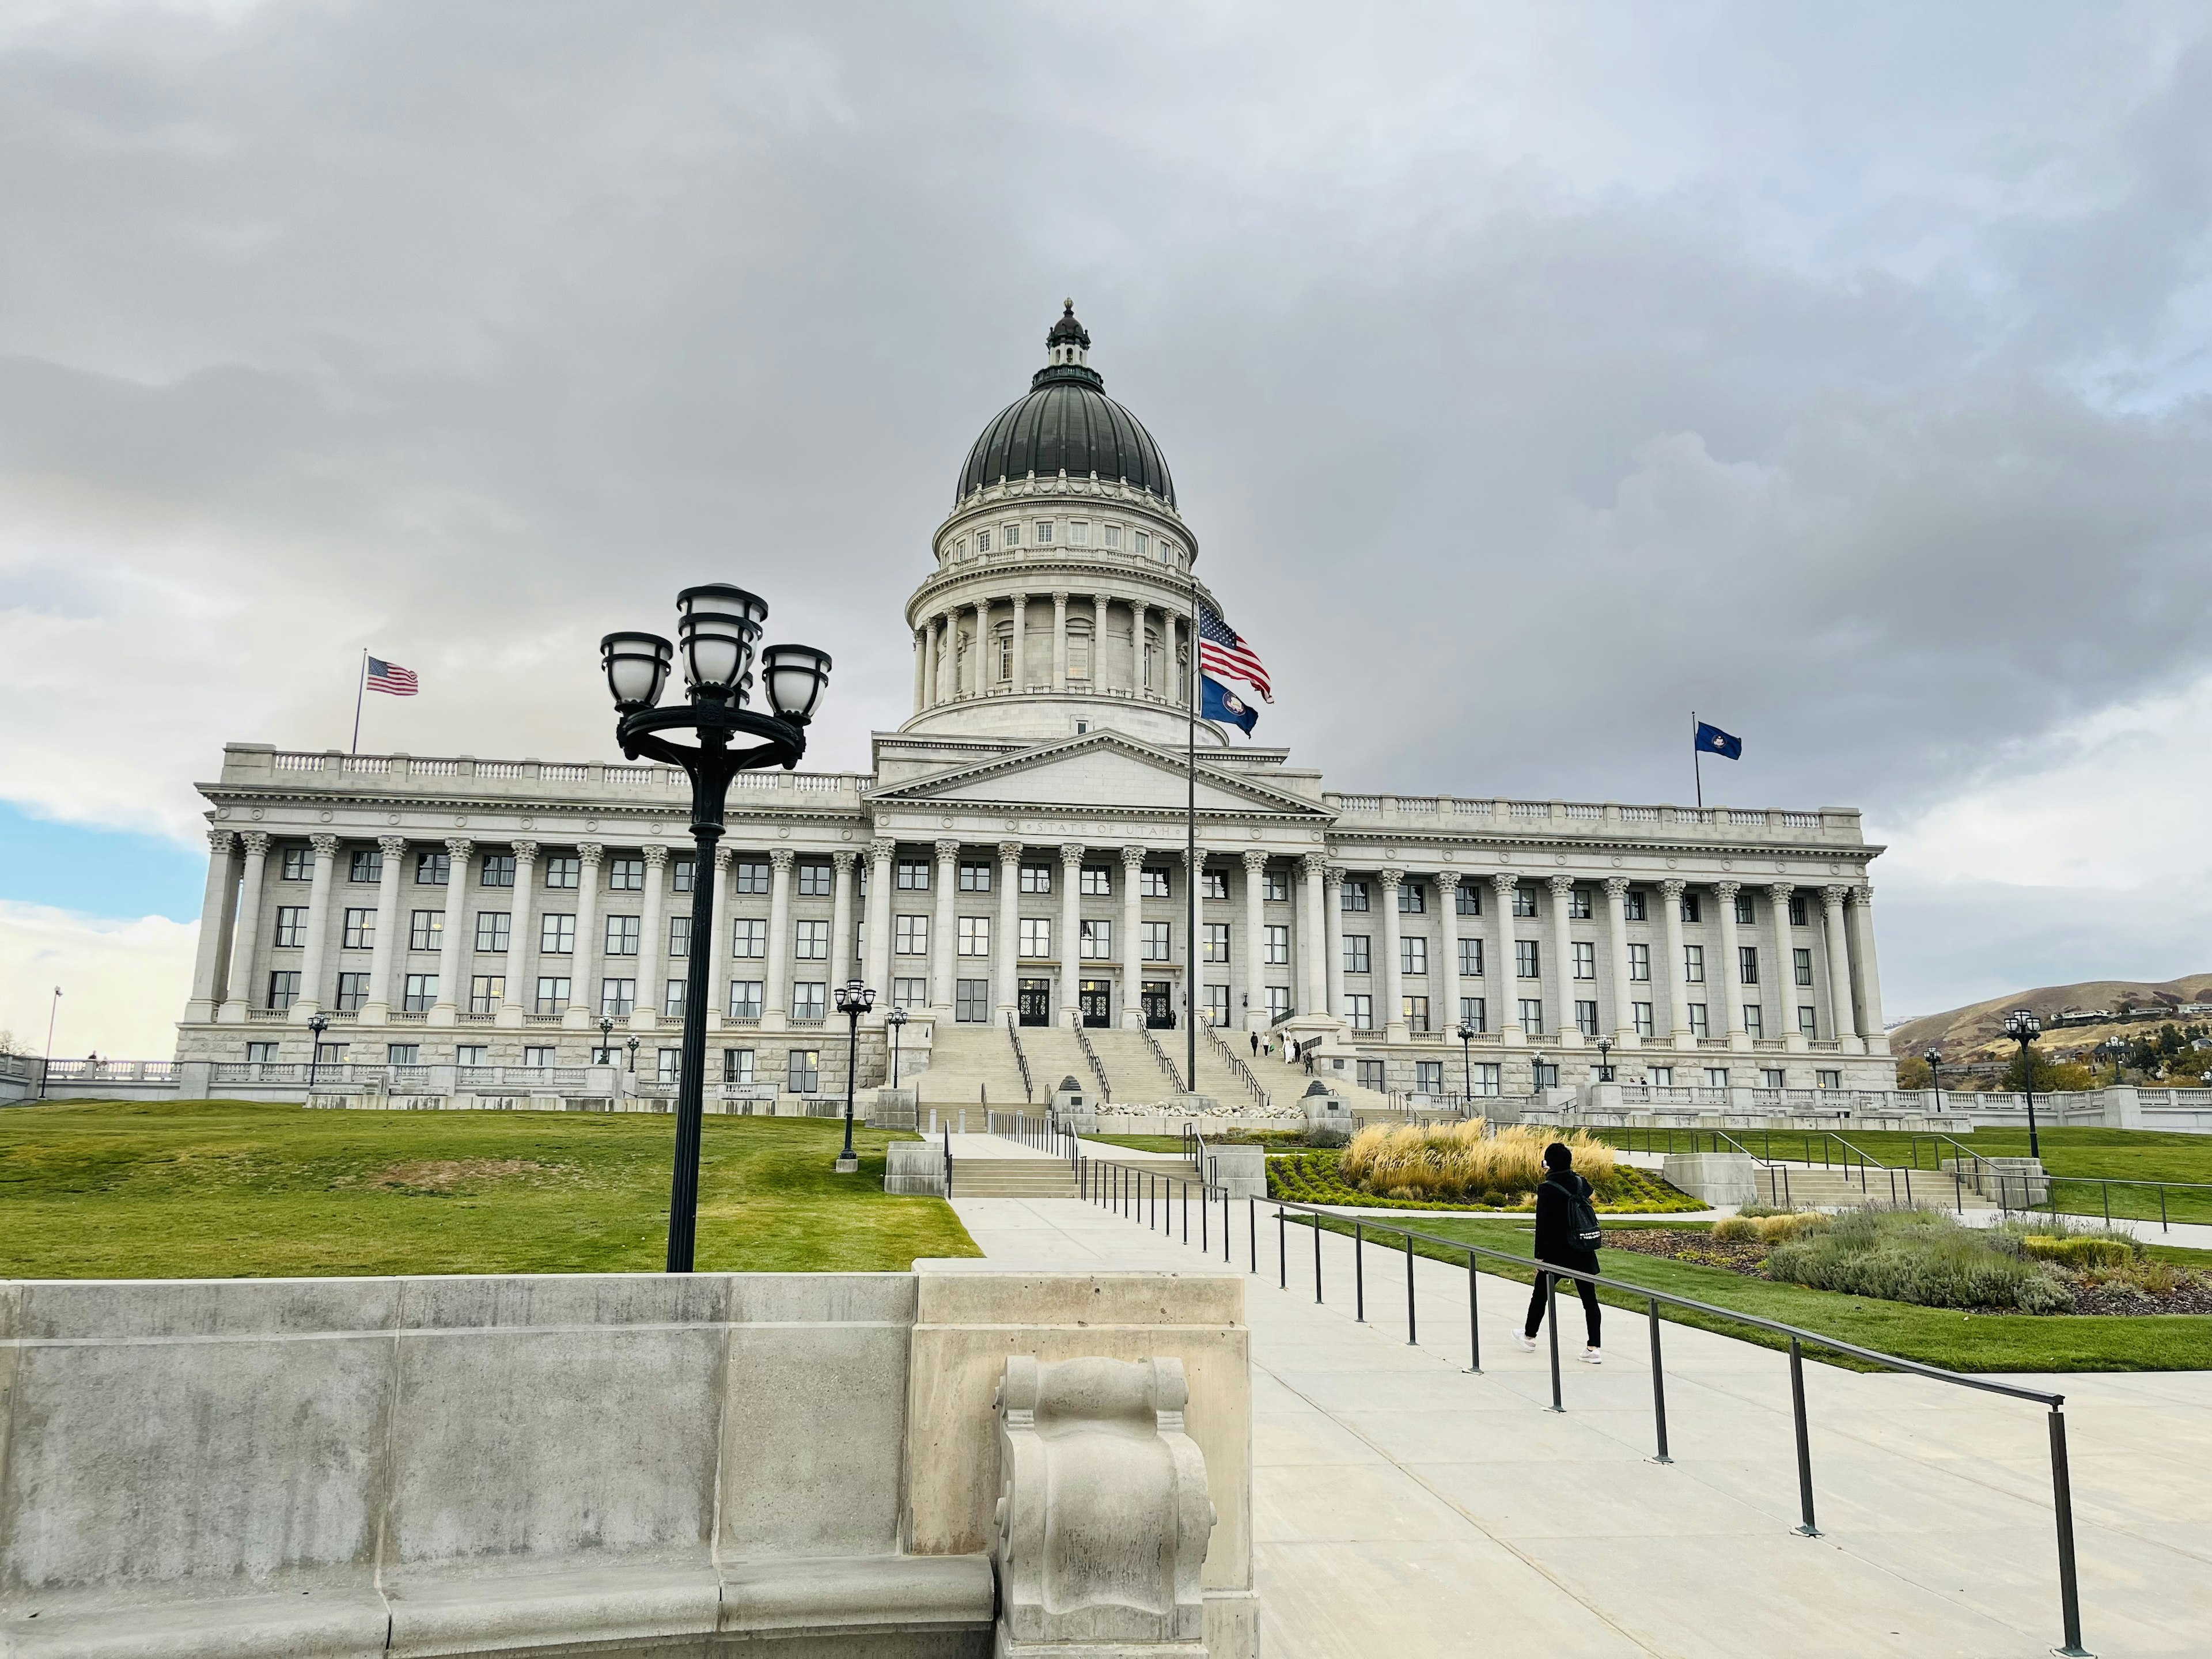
{"x":2114,"y":1050}
{"x":318,"y":1024}
{"x":718,"y":629}
{"x":853,"y":999}
{"x":1537,"y":1066}
{"x":1465,"y":1035}
{"x":2023,"y":1027}
{"x":632,"y":1046}
{"x":1604,"y":1060}
{"x":1934,"y":1058}
{"x":896,"y":1020}
{"x":606,"y":1040}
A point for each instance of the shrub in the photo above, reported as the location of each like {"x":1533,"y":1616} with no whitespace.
{"x":1765,"y":1226}
{"x":2078,"y":1252}
{"x":1918,"y":1256}
{"x":1453,"y":1163}
{"x":1737,"y":1229}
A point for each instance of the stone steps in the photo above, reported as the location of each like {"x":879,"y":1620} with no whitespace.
{"x":1012,"y":1177}
{"x":1815,"y":1188}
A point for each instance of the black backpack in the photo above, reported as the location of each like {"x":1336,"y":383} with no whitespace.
{"x":1583,"y":1230}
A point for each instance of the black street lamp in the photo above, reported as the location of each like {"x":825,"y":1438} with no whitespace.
{"x":632,"y":1046}
{"x":853,"y":999}
{"x":1934,"y":1058}
{"x":2114,"y":1050}
{"x":1537,"y":1066}
{"x":718,"y":629}
{"x":2023,"y":1027}
{"x":1466,"y":1059}
{"x":897,"y":1019}
{"x":318,"y":1024}
{"x":606,"y":1041}
{"x":1604,"y":1061}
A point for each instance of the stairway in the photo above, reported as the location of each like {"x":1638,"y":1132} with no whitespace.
{"x":1012,"y":1177}
{"x":1286,"y":1081}
{"x":1804,"y":1186}
{"x":968,"y":1061}
{"x":1053,"y":1054}
{"x":1133,"y":1069}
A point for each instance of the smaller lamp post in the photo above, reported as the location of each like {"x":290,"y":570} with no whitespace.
{"x":1537,"y":1066}
{"x":1934,"y":1058}
{"x":606,"y":1040}
{"x":853,"y":999}
{"x":1466,"y":1059}
{"x":632,"y":1046}
{"x":897,"y":1019}
{"x":1604,"y":1060}
{"x":2023,"y":1027}
{"x":2114,"y":1050}
{"x":317,"y":1024}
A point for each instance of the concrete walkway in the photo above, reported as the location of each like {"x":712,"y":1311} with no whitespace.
{"x":1404,"y":1508}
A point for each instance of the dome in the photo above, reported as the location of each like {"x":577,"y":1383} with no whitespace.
{"x":1068,"y":424}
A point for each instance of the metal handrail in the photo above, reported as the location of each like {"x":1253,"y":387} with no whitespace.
{"x":1237,"y":1067}
{"x":1167,"y":1065}
{"x":1014,"y":1036}
{"x":1138,"y":1193}
{"x":1097,"y":1070}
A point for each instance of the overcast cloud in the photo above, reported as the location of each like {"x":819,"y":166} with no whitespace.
{"x":1531,"y":374}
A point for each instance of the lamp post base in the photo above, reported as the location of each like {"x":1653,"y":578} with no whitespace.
{"x":849,"y":1163}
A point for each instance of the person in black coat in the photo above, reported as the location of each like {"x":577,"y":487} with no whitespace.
{"x":1556,"y":1244}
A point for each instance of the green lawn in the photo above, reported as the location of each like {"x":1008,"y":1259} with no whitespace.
{"x":1137,"y":1143}
{"x":224,"y":1188}
{"x":1968,"y":1342}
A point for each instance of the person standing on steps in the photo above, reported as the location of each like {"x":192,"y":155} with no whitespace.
{"x":1567,"y":1235}
{"x":1255,"y":1045}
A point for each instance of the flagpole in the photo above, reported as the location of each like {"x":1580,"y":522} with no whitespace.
{"x":1190,"y":855}
{"x":1697,"y":761}
{"x":360,"y":690}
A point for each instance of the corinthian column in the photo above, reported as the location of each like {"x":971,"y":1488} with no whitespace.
{"x":717,"y":955}
{"x":1009,"y":925}
{"x":1255,"y":977}
{"x":1394,"y":978}
{"x":312,"y":962}
{"x":775,"y":1000}
{"x":1313,"y":930}
{"x":1059,"y":642}
{"x":841,"y":920}
{"x":376,"y":1010}
{"x":1071,"y":935}
{"x":943,"y":933}
{"x":1020,"y":679}
{"x":583,"y":1010}
{"x":980,"y":681}
{"x":1867,"y":978}
{"x":1504,"y":975}
{"x":1677,"y":986}
{"x":1843,"y":1018}
{"x":452,"y":946}
{"x":1446,"y":1019}
{"x":1563,"y":963}
{"x":879,"y":923}
{"x":1784,"y":978}
{"x":1133,"y":955}
{"x":651,"y":944}
{"x":218,"y":907}
{"x":245,"y":941}
{"x":1624,"y":992}
{"x":1332,"y":906}
{"x":1731,"y":977}
{"x":521,"y":937}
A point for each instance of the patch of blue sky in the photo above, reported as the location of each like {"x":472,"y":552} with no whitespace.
{"x":99,"y":872}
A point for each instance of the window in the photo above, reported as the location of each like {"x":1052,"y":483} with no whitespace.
{"x":982,"y":541}
{"x":1277,"y":941}
{"x":753,"y":876}
{"x":1214,"y":884}
{"x":737,"y":1066}
{"x":1142,"y":545}
{"x":626,"y":875}
{"x":622,"y":936}
{"x":1278,"y":1002}
{"x":1639,"y":963}
{"x":552,"y":998}
{"x":1528,"y":962}
{"x":671,"y":1062}
{"x":403,"y":1054}
{"x":802,"y":1070}
{"x":1698,"y":1026}
{"x":1097,"y":882}
{"x":366,"y":866}
{"x":1216,"y":1005}
{"x":1639,"y":1014}
{"x":617,"y":997}
{"x":679,"y":936}
{"x":493,"y":929}
{"x":1158,"y":941}
{"x":1799,"y":917}
{"x":910,"y":992}
{"x":1035,"y":937}
{"x":1586,"y":1018}
{"x":1800,"y":966}
{"x":1525,"y":902}
{"x":810,"y":941}
{"x":1484,"y":1080}
{"x":1355,"y":951}
{"x":563,"y":872}
{"x":1468,"y":901}
{"x":300,"y":863}
{"x":1417,"y":1014}
{"x":1474,"y":1013}
{"x":1078,"y":655}
{"x":1690,"y":908}
{"x":1215,"y":941}
{"x":1036,"y":878}
{"x":1578,"y":904}
{"x":745,"y":999}
{"x":498,"y":871}
{"x":291,"y":927}
{"x":1354,"y":897}
{"x":1079,"y":533}
{"x":1544,"y":1075}
{"x":1770,"y":1077}
{"x":556,"y":934}
{"x":1428,"y":1077}
{"x":972,"y":1001}
{"x":683,"y":874}
{"x":1746,"y":965}
{"x":1809,"y":1020}
{"x":1371,"y":1074}
{"x":539,"y":1056}
{"x":975,"y":877}
{"x":486,"y":993}
{"x":422,"y":991}
{"x":1585,"y":959}
{"x":913,"y":875}
{"x":1743,"y":910}
{"x":1412,"y":956}
{"x":1153,"y":884}
{"x":1275,"y":886}
{"x":910,"y":935}
{"x":433,"y":870}
{"x":1693,"y":964}
{"x":1470,"y":958}
{"x":1040,"y":533}
{"x":1754,"y":1020}
{"x":819,"y":880}
{"x":1097,"y":941}
{"x":1531,"y":1015}
{"x":808,"y":1001}
{"x":671,"y":999}
{"x":426,"y":930}
{"x":1661,"y":1077}
{"x":1112,"y":535}
{"x":1717,"y":1076}
{"x":972,"y":936}
{"x":1824,"y":1080}
{"x":352,"y":991}
{"x":748,"y":937}
{"x":1359,"y":1009}
{"x":1412,"y":899}
{"x":1632,"y":906}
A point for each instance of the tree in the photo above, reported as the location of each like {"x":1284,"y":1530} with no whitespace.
{"x":2051,"y":1076}
{"x":1913,"y":1072}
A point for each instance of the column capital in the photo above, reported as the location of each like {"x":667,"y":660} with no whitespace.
{"x":1317,"y":864}
{"x":459,"y":846}
{"x":656,"y":857}
{"x":1255,"y":859}
{"x":1010,"y":853}
{"x":1561,"y":885}
{"x":782,"y":858}
{"x":1673,"y":888}
{"x":722,"y":851}
{"x":256,"y":841}
{"x":947,"y":851}
{"x":1071,"y":855}
{"x":392,"y":847}
{"x":844,"y":858}
{"x":1832,"y":896}
{"x":1728,"y":890}
{"x":1862,"y":897}
{"x":589,"y":853}
{"x":1020,"y":600}
{"x":525,"y":853}
{"x":1133,"y":859}
{"x":1504,"y":882}
{"x":219,"y":841}
{"x":882,"y":847}
{"x":1779,"y":891}
{"x":1616,"y":887}
{"x":326,"y":846}
{"x":1332,"y":877}
{"x":1391,"y":879}
{"x":1059,"y":599}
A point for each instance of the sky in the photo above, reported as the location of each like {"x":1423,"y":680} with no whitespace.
{"x":1532,"y":374}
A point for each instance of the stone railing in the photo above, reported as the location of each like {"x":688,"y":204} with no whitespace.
{"x":246,"y":764}
{"x":1415,"y":814}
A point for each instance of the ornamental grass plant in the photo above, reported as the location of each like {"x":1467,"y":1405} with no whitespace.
{"x":1921,"y":1256}
{"x":1462,"y":1162}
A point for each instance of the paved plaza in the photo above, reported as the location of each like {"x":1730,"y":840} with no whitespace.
{"x":1403,"y":1507}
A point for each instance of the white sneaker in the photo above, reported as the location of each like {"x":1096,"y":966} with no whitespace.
{"x":1525,"y":1344}
{"x":1592,"y":1357}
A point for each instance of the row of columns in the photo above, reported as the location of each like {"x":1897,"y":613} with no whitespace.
{"x":941,"y":676}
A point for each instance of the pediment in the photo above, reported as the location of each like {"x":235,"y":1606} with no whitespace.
{"x":1100,"y":770}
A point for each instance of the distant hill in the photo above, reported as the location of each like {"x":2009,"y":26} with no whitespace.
{"x":1975,"y":1032}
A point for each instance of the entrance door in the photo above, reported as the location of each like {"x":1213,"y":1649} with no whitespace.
{"x":1096,"y":999}
{"x":1159,"y":1004}
{"x":1035,"y":1002}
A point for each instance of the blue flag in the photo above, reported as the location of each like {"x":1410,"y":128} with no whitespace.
{"x":1220,"y":703}
{"x":1711,"y":740}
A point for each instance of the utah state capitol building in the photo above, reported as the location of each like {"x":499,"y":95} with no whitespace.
{"x":1015,"y":850}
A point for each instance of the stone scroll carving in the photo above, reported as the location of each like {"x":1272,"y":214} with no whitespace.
{"x":1102,"y":1515}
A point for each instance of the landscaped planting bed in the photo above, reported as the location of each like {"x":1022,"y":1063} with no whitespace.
{"x":1314,"y":1178}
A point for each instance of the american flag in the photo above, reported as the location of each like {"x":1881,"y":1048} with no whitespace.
{"x":392,"y":677}
{"x":1223,"y":653}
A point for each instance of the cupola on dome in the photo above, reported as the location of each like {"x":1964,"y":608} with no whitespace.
{"x":1066,"y":424}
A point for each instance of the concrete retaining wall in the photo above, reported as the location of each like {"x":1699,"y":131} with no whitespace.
{"x":1716,"y":1177}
